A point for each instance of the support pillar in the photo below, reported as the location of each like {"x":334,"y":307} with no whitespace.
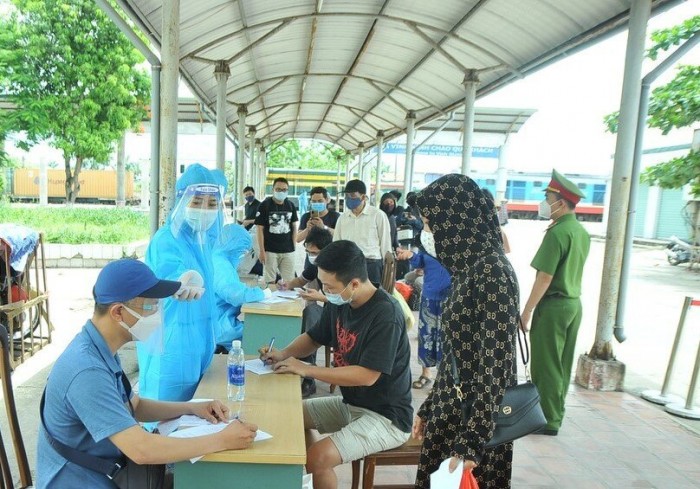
{"x":471,"y":81}
{"x":257,"y":164}
{"x":239,"y":174}
{"x":338,"y":188}
{"x":170,"y":60}
{"x":502,"y":172}
{"x":378,"y":176}
{"x":408,"y":165}
{"x":154,"y":180}
{"x":262,"y":180}
{"x":620,"y":185}
{"x":221,"y":73}
{"x":251,"y":161}
{"x":361,"y":163}
{"x":121,"y":172}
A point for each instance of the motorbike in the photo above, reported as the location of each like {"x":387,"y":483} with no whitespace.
{"x":678,"y":251}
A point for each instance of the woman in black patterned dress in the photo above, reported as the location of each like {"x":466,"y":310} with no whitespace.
{"x":478,"y":328}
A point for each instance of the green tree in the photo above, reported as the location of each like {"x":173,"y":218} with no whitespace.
{"x":672,"y":106}
{"x":305,"y":155}
{"x":74,"y":78}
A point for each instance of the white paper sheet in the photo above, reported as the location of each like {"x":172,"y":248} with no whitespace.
{"x":258,"y":367}
{"x":273,"y":300}
{"x":443,"y":479}
{"x":210,"y":429}
{"x":307,"y":482}
{"x":286,"y":294}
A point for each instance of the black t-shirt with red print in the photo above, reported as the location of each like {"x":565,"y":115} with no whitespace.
{"x":372,"y":336}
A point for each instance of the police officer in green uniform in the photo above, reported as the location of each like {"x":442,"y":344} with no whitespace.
{"x":554,"y":304}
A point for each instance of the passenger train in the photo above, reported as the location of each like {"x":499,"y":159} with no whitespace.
{"x":524,"y":190}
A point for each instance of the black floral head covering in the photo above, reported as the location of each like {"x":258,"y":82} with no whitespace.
{"x":462,"y":219}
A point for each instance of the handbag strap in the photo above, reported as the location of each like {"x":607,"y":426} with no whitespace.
{"x":109,"y":468}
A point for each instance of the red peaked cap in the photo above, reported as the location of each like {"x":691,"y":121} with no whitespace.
{"x":564,"y":187}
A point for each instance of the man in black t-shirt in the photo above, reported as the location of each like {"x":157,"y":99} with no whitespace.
{"x":276,"y":222}
{"x":366,"y":328}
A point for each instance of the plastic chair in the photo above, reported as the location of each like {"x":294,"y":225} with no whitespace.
{"x":20,"y":453}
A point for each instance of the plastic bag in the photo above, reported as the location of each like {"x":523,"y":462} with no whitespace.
{"x":468,"y":480}
{"x":407,"y":313}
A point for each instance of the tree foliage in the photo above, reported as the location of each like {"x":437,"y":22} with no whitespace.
{"x":672,"y":106}
{"x":306,"y":155}
{"x":74,"y":78}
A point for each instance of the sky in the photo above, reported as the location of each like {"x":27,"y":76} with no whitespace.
{"x":571,"y":97}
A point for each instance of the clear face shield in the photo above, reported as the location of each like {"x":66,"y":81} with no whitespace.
{"x":145,"y":322}
{"x":199,"y":213}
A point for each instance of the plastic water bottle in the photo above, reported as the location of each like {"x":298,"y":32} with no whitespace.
{"x":236,"y":372}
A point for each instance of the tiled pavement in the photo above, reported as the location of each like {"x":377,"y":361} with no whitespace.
{"x":608,"y":440}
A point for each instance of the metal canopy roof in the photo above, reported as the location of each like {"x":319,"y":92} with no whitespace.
{"x":341,"y":70}
{"x":486,"y":119}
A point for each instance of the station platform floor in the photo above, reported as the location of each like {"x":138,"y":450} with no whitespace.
{"x":608,"y":440}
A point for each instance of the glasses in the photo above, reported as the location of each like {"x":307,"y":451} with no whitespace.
{"x":145,"y":307}
{"x":277,"y":189}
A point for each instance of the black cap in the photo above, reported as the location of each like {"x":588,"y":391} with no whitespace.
{"x":355,"y":186}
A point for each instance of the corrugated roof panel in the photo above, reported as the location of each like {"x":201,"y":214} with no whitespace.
{"x":355,"y":56}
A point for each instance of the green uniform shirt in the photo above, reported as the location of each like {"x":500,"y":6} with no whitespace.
{"x":562,"y":254}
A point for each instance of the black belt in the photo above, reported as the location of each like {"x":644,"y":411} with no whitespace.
{"x":372,"y":260}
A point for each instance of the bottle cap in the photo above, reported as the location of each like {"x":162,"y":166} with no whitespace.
{"x":236,"y":344}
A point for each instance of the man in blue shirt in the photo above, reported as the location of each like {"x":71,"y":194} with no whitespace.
{"x":87,"y":406}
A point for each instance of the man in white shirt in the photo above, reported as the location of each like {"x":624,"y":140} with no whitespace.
{"x":366,"y":226}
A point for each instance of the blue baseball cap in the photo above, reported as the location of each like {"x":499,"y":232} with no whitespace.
{"x":123,"y":280}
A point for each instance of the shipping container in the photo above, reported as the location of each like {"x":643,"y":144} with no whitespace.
{"x":95,"y":185}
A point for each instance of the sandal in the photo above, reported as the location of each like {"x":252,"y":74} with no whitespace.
{"x":421,"y":382}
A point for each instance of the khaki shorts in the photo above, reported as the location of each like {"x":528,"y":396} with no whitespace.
{"x":355,"y":431}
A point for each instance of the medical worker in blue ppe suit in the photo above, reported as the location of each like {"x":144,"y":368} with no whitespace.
{"x":182,"y":250}
{"x":230,"y":292}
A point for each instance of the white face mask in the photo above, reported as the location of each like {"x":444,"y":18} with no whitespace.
{"x":280,"y":196}
{"x":312,"y":258}
{"x":428,"y":241}
{"x":200,"y":220}
{"x":545,"y":209}
{"x":145,"y":325}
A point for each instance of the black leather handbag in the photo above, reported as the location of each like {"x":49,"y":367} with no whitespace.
{"x":520,"y":412}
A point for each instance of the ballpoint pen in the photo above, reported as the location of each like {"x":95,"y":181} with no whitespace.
{"x":272,"y":342}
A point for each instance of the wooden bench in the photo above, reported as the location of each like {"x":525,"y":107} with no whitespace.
{"x":406,"y":454}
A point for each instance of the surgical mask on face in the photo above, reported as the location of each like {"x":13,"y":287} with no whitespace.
{"x":318,"y":206}
{"x":279,"y":195}
{"x":250,"y":198}
{"x":145,"y":325}
{"x":545,"y":209}
{"x":337,"y":299}
{"x":352,"y":203}
{"x":312,"y":258}
{"x":200,"y":219}
{"x":428,"y":241}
